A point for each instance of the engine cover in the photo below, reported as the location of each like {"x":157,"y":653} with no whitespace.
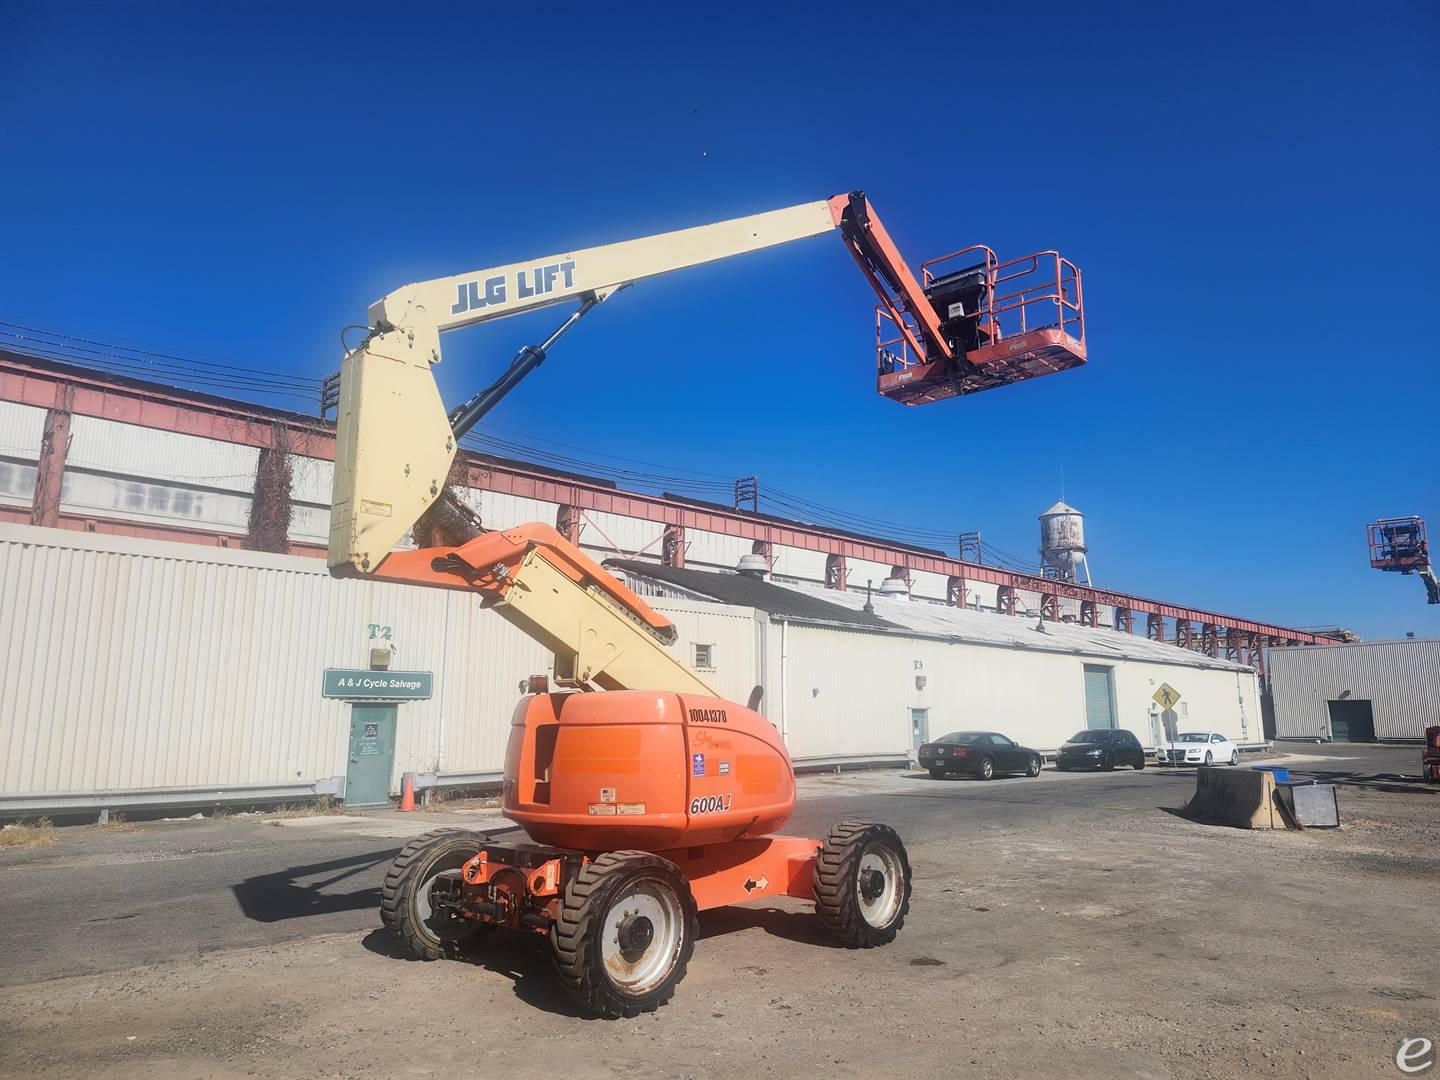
{"x":644,"y":770}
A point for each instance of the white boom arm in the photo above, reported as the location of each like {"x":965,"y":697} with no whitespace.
{"x":394,"y":444}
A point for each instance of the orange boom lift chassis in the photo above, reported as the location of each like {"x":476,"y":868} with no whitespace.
{"x":644,"y":796}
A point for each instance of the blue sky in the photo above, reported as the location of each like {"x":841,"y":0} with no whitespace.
{"x":1248,"y":190}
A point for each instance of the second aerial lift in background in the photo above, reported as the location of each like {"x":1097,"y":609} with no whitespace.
{"x":645,"y":796}
{"x":1399,"y":545}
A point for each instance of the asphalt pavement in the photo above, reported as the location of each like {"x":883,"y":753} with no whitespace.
{"x":110,"y":899}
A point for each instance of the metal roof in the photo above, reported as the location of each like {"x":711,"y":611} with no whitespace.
{"x":740,"y":590}
{"x":802,"y":603}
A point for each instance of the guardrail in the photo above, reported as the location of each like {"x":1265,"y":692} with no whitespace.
{"x":851,"y":761}
{"x":102,"y":802}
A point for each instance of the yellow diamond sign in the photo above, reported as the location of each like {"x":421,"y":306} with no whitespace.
{"x":1166,"y":696}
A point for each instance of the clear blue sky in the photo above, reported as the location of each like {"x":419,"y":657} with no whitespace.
{"x":1249,"y":191}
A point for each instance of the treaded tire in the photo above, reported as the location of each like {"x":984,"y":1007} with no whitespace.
{"x":937,"y":773}
{"x":1234,"y":757}
{"x":403,"y":910}
{"x":1108,"y":762}
{"x":1140,"y":762}
{"x":1209,"y":758}
{"x":1032,"y":767}
{"x":837,"y":884}
{"x":987,"y":769}
{"x":575,"y":943}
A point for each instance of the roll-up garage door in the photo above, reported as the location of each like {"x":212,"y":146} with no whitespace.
{"x":1099,"y":698}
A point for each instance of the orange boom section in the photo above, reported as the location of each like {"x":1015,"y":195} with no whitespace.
{"x":643,"y":769}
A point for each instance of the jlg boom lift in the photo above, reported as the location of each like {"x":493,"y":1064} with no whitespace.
{"x":645,"y":796}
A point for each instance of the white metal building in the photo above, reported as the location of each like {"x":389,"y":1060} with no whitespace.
{"x":136,"y":665}
{"x":838,"y":686}
{"x":1358,"y":692}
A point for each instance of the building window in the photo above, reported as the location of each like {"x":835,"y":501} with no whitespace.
{"x":704,"y":657}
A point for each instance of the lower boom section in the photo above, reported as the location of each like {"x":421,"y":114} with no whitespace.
{"x":622,"y":924}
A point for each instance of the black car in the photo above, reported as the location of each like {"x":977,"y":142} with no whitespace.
{"x":1100,"y":749}
{"x":980,"y":753}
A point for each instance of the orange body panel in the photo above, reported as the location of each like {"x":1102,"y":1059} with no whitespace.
{"x":645,"y":770}
{"x":748,"y":870}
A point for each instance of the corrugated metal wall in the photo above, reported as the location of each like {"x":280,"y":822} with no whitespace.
{"x":136,"y":664}
{"x":851,"y":692}
{"x":1401,"y":679}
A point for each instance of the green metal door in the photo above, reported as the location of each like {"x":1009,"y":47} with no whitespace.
{"x":372,"y":755}
{"x":1099,"y":697}
{"x":919,"y":728}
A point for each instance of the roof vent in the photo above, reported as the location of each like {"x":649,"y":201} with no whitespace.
{"x":894,"y":586}
{"x":753,"y":566}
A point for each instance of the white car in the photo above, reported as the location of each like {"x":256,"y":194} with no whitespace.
{"x":1199,"y":748}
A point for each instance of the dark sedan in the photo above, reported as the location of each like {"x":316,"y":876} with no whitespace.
{"x":1100,"y":749}
{"x":979,"y":753}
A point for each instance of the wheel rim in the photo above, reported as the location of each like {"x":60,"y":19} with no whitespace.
{"x":441,"y":927}
{"x":1234,"y":757}
{"x":1209,"y":757}
{"x":987,"y":768}
{"x":1034,"y":766}
{"x":880,"y":885}
{"x":641,"y":937}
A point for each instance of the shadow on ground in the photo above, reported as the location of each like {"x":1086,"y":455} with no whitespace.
{"x":524,"y":958}
{"x":299,"y":892}
{"x":1395,"y":783}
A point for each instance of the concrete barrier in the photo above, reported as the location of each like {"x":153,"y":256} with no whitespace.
{"x":1237,"y":797}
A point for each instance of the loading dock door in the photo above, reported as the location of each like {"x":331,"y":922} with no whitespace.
{"x":1099,"y":697}
{"x":1351,"y":721}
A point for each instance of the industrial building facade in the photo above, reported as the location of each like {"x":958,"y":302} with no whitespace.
{"x":142,"y":669}
{"x":163,"y":575}
{"x":1370,"y":690}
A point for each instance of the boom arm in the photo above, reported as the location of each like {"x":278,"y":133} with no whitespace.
{"x":600,"y":632}
{"x":394,"y":442}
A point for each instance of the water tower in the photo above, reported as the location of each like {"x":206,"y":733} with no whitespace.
{"x":1062,"y":542}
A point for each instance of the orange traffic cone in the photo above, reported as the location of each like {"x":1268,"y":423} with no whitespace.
{"x":407,"y":793}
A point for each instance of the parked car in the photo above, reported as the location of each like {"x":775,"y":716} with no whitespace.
{"x":980,"y":753}
{"x":1199,"y":748}
{"x":1101,"y":748}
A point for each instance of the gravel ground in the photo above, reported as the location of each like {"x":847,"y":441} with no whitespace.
{"x":1064,"y":926}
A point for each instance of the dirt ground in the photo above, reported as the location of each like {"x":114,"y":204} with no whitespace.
{"x":1072,"y":927}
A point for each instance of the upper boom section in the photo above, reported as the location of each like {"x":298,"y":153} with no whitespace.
{"x":482,"y":295}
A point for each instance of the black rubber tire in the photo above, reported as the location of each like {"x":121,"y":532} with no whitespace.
{"x":1033,"y":765}
{"x":836,"y":883}
{"x":574,"y":937}
{"x":1108,"y":762}
{"x":1062,"y":768}
{"x":986,"y":771}
{"x":1139,"y":762}
{"x":418,"y":861}
{"x":937,"y":773}
{"x":1209,"y":758}
{"x":1234,"y":757}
